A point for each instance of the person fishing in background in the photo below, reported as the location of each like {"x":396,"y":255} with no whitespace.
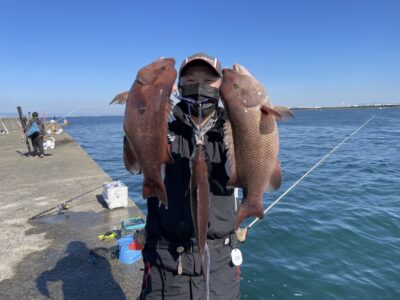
{"x":36,"y":132}
{"x":171,"y":257}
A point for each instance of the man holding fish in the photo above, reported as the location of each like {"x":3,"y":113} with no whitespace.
{"x":203,"y":152}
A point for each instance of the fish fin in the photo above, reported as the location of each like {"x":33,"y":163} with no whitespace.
{"x":280,"y":113}
{"x":204,"y":269}
{"x":267,"y":124}
{"x":266,"y":110}
{"x":284,"y":112}
{"x":167,"y":156}
{"x":130,"y":161}
{"x":276,"y":176}
{"x":170,"y":106}
{"x":248,"y":209}
{"x":153,"y":188}
{"x":162,"y":172}
{"x":241,"y":69}
{"x":121,"y":98}
{"x":228,"y":139}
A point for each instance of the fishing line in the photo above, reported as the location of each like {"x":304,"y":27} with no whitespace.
{"x":255,"y":221}
{"x":208,"y":272}
{"x":63,"y":205}
{"x":68,"y":113}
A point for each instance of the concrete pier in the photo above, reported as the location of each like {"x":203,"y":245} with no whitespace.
{"x":49,"y":257}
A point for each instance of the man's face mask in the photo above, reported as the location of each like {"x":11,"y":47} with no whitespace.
{"x":199,"y":91}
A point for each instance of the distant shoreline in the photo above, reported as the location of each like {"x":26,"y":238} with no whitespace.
{"x":14,"y":115}
{"x":347,"y":107}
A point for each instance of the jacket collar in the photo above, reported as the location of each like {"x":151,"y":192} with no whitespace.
{"x":180,"y":115}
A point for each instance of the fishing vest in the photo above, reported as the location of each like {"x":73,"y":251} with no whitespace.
{"x":175,"y":223}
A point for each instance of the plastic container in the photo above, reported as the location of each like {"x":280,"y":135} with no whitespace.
{"x":133,"y":224}
{"x":126,"y":255}
{"x":115,"y":194}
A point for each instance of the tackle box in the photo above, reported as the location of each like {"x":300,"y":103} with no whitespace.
{"x":115,"y":194}
{"x":133,"y":224}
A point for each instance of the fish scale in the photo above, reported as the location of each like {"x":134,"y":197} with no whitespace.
{"x":148,"y":106}
{"x":199,"y":199}
{"x":252,"y":139}
{"x":251,"y":159}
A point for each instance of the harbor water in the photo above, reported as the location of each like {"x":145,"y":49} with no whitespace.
{"x":337,"y":234}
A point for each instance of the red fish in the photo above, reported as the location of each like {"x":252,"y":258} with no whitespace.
{"x":148,"y":106}
{"x":252,"y":138}
{"x":199,"y":195}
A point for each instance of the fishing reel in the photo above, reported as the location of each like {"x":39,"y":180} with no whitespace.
{"x":63,"y":208}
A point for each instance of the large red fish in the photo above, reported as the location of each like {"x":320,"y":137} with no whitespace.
{"x":252,"y":138}
{"x":148,"y":106}
{"x":199,"y":196}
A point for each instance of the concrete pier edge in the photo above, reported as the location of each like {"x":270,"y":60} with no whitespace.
{"x":49,"y":257}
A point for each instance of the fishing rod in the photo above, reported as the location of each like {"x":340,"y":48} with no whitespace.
{"x":24,"y":127}
{"x":68,"y":113}
{"x":63,"y":206}
{"x":255,"y":221}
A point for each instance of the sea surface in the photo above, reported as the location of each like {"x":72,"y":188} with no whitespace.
{"x":336,"y":235}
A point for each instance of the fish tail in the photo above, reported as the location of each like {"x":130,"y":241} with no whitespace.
{"x":153,"y":188}
{"x":203,"y":267}
{"x":249,"y":208}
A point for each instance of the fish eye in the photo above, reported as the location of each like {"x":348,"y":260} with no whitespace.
{"x":163,"y":68}
{"x":235,"y":85}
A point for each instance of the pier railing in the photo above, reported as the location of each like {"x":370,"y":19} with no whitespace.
{"x":9,"y":124}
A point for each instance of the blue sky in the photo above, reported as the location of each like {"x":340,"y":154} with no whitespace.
{"x":59,"y":56}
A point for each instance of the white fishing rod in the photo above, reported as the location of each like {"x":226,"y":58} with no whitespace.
{"x":68,"y":113}
{"x":306,"y":174}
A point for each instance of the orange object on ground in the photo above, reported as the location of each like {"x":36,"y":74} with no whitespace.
{"x":135,"y":245}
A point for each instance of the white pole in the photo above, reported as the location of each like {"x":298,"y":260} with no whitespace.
{"x":4,"y":126}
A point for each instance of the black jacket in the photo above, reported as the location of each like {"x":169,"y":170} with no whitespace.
{"x":175,"y":224}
